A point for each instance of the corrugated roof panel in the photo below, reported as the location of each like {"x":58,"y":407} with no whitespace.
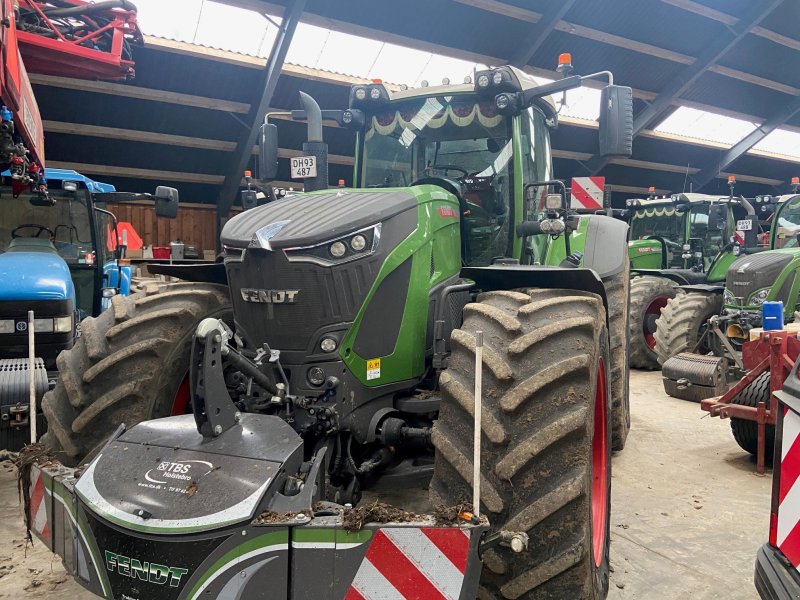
{"x":677,"y":30}
{"x":759,"y":56}
{"x":784,"y":20}
{"x":630,"y":68}
{"x":731,"y":94}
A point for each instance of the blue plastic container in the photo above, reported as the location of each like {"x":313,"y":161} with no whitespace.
{"x":772,"y":316}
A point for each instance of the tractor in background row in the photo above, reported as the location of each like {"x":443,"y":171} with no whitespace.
{"x":60,"y":257}
{"x":682,"y":245}
{"x":349,"y":359}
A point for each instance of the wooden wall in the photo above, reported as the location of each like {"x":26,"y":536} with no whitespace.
{"x":195,"y":225}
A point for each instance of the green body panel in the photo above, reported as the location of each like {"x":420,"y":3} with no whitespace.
{"x":556,"y":249}
{"x":790,"y":270}
{"x":719,"y":267}
{"x":645,"y":254}
{"x":437,"y":233}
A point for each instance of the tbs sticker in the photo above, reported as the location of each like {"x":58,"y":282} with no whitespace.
{"x":373,"y":369}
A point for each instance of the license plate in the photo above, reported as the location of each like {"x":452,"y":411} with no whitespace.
{"x":303,"y":166}
{"x":744,"y":225}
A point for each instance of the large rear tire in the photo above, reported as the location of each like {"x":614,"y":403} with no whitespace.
{"x":683,"y":322}
{"x":546,"y":449}
{"x":129,"y":365}
{"x":649,"y":296}
{"x":745,"y":432}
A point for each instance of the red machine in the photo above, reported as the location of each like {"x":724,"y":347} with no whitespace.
{"x":21,"y":136}
{"x":76,"y":38}
{"x":776,"y":352}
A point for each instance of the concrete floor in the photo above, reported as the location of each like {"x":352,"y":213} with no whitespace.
{"x":688,"y":513}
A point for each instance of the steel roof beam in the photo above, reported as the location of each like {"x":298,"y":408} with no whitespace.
{"x":258,"y":109}
{"x":737,"y":150}
{"x":540,"y":32}
{"x":691,"y":73}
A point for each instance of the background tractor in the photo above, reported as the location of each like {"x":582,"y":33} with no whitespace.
{"x":349,"y":358}
{"x":679,"y":245}
{"x":59,"y":257}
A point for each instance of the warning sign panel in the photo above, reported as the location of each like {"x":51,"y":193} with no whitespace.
{"x":373,"y":369}
{"x":587,"y":192}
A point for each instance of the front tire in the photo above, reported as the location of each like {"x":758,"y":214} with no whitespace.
{"x":129,"y":365}
{"x":546,"y":450}
{"x":683,"y":322}
{"x":649,"y":296}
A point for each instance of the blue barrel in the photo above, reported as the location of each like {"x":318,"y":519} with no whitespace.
{"x":772,"y":316}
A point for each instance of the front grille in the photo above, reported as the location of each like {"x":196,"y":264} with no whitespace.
{"x":750,"y":273}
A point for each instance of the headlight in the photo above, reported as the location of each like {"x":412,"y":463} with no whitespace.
{"x":553,"y":201}
{"x":497,"y":77}
{"x":328,"y":344}
{"x":758,"y":298}
{"x":338,"y":249}
{"x":483,"y":81}
{"x":375,"y":93}
{"x":728,"y":298}
{"x":358,"y":243}
{"x":63,"y":324}
{"x":43,"y":325}
{"x":360,"y":93}
{"x":7,"y":326}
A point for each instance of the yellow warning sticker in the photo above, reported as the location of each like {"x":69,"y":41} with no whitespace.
{"x":373,"y":369}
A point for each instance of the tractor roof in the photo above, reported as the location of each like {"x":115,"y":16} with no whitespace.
{"x":683,"y":198}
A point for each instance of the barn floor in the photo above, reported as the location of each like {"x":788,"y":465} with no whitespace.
{"x":688,"y":512}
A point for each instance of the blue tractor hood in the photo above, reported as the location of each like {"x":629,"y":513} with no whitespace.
{"x":31,"y":269}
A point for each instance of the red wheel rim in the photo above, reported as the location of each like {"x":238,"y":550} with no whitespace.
{"x":600,"y":466}
{"x":180,"y":406}
{"x":652,"y":313}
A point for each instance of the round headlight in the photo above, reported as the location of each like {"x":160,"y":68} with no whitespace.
{"x":361,"y":93}
{"x":497,"y":78}
{"x":338,"y":249}
{"x":483,"y":81}
{"x":328,"y":344}
{"x":358,"y":243}
{"x":316,"y":376}
{"x":374,"y":93}
{"x":347,"y":117}
{"x":501,"y":101}
{"x":760,"y":296}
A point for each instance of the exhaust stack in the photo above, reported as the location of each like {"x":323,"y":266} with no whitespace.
{"x":315,"y":146}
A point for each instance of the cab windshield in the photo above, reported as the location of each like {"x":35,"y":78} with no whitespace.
{"x":453,"y":138}
{"x":659,"y":221}
{"x":787,"y":227}
{"x":66,"y":224}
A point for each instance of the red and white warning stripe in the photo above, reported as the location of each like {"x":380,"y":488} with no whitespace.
{"x":40,"y":523}
{"x":788,"y":534}
{"x":587,"y":192}
{"x":406,"y":562}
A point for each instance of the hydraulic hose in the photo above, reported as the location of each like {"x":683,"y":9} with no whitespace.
{"x":87,"y":9}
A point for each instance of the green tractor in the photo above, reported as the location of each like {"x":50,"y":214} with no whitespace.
{"x":678,"y":244}
{"x":348,"y":360}
{"x":756,"y":277}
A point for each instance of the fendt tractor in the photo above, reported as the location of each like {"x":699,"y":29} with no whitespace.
{"x":681,"y":245}
{"x":348,"y":362}
{"x":60,"y":258}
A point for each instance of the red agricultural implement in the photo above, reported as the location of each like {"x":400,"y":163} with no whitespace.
{"x":76,"y":38}
{"x":775,"y":352}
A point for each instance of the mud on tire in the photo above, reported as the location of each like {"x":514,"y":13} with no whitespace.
{"x":540,"y":370}
{"x":127,"y":366}
{"x":617,"y":297}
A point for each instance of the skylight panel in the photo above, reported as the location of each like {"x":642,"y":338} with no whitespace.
{"x":781,"y":141}
{"x":690,"y":122}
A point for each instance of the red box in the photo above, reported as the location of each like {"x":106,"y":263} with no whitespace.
{"x":161,"y":252}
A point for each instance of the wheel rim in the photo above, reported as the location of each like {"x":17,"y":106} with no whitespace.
{"x":180,"y":406}
{"x":600,"y":466}
{"x":651,"y":314}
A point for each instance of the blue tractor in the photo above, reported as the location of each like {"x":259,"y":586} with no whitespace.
{"x":60,"y":257}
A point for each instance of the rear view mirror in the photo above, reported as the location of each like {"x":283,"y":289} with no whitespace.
{"x":166,"y":202}
{"x":616,"y":121}
{"x":249,"y":199}
{"x":268,"y":152}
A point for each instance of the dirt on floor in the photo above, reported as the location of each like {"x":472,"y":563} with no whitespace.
{"x":688,"y":512}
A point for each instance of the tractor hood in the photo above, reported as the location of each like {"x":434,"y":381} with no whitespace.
{"x":31,"y":269}
{"x":308,"y":219}
{"x":747,"y":274}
